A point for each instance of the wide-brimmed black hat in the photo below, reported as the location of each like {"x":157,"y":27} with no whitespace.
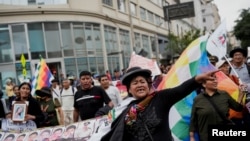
{"x":243,"y":51}
{"x":132,"y":72}
{"x":44,"y":91}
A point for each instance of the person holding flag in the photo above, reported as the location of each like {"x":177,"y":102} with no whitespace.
{"x":223,"y":65}
{"x":242,"y":71}
{"x":147,"y":117}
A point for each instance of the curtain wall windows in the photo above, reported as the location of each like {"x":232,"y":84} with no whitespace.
{"x":70,"y":67}
{"x":36,"y":40}
{"x":110,"y":39}
{"x":121,"y":4}
{"x":52,"y":40}
{"x":108,"y":2}
{"x":19,"y":41}
{"x":67,"y":41}
{"x":79,"y":39}
{"x":82,"y":64}
{"x":33,"y":2}
{"x":125,"y":46}
{"x":5,"y":45}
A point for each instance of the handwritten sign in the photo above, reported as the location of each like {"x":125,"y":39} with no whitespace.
{"x":10,"y":126}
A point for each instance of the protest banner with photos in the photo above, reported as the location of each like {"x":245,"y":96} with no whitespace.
{"x":19,"y":127}
{"x":87,"y":130}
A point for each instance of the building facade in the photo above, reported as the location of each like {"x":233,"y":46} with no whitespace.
{"x":210,"y":16}
{"x":77,"y":35}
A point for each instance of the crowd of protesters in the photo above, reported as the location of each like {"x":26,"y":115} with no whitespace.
{"x":71,"y":100}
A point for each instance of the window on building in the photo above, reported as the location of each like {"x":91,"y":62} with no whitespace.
{"x":146,"y":47}
{"x":88,"y":37}
{"x":93,"y":40}
{"x":70,"y":67}
{"x":67,"y":41}
{"x":17,"y":2}
{"x":49,"y":2}
{"x":36,"y":40}
{"x":125,"y":46}
{"x":133,"y":9}
{"x":111,"y":47}
{"x":100,"y":65}
{"x":137,"y":46}
{"x":108,"y":2}
{"x":5,"y":46}
{"x":97,"y":39}
{"x":52,"y":37}
{"x":151,"y":17}
{"x":92,"y":65}
{"x":121,"y":4}
{"x":163,"y":23}
{"x":79,"y":39}
{"x":158,"y":20}
{"x":113,"y":63}
{"x":153,"y":44}
{"x":143,"y":13}
{"x":110,"y":39}
{"x":19,"y":41}
{"x":82,"y":64}
{"x":204,"y":20}
{"x":33,"y":2}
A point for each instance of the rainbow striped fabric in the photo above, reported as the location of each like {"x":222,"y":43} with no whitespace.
{"x":192,"y":61}
{"x":225,"y":83}
{"x":42,"y":76}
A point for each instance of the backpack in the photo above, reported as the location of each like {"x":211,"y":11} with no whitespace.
{"x":73,"y":90}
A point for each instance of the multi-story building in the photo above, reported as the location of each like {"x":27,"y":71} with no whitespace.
{"x":77,"y":35}
{"x":210,"y":16}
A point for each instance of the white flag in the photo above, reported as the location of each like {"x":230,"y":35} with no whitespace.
{"x":217,"y":42}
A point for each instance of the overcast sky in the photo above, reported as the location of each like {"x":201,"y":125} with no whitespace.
{"x":230,"y":10}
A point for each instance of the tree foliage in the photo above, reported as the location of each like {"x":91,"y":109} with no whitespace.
{"x":178,"y":44}
{"x":242,"y":28}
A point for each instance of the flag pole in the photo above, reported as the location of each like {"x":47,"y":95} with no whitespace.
{"x":226,"y":58}
{"x":236,"y":74}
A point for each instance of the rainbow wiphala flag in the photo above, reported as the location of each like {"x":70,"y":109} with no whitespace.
{"x":192,"y":61}
{"x":42,"y":76}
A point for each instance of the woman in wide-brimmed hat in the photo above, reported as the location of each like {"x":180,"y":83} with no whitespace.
{"x":50,"y":107}
{"x":146,"y":118}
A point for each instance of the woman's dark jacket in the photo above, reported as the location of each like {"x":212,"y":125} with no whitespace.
{"x":155,"y":117}
{"x":34,"y":109}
